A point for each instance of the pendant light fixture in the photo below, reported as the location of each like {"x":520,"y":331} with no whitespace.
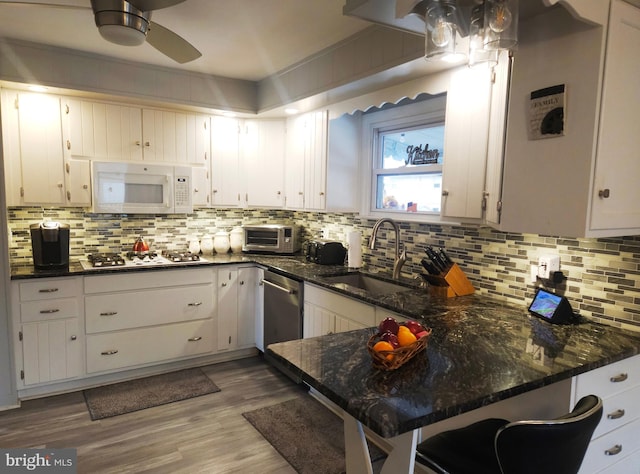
{"x":501,"y":20}
{"x":479,"y":54}
{"x":491,"y":25}
{"x":441,"y":32}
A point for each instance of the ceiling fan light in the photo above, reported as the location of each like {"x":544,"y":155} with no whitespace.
{"x":126,"y":27}
{"x":122,"y":35}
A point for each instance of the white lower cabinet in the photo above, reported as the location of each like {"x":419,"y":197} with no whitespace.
{"x":146,"y":318}
{"x":615,"y":445}
{"x":120,"y":349}
{"x":238,"y":296}
{"x":327,"y":312}
{"x":48,"y":333}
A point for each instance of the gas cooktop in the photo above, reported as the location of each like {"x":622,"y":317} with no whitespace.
{"x":103,"y":261}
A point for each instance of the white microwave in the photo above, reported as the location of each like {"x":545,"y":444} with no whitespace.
{"x":137,"y":188}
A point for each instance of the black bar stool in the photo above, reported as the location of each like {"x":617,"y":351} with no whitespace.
{"x":496,"y":446}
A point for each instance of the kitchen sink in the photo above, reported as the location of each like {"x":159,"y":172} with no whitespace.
{"x":365,"y":282}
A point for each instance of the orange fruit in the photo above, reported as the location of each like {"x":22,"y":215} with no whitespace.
{"x":384,"y":346}
{"x":405,"y":336}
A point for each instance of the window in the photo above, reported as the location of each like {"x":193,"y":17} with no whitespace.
{"x":407,"y":150}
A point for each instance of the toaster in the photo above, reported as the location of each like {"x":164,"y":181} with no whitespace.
{"x":325,"y":252}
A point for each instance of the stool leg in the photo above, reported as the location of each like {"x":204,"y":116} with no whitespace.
{"x":402,"y":458}
{"x":356,"y":449}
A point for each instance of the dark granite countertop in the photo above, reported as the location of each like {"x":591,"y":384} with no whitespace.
{"x":481,"y":350}
{"x":478,"y":354}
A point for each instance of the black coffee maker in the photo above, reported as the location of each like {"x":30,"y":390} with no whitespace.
{"x":50,"y":244}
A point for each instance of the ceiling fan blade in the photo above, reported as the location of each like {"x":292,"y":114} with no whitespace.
{"x":44,"y":4}
{"x":170,"y":44}
{"x":148,"y":5}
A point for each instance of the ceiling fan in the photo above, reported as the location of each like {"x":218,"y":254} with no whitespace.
{"x":128,"y":23}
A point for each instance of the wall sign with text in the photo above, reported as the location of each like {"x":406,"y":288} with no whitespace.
{"x":547,"y":112}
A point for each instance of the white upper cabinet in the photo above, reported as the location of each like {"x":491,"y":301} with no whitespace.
{"x":37,"y":169}
{"x":102,"y":131}
{"x":175,"y":137}
{"x":306,"y":161}
{"x":263,"y":150}
{"x":40,"y":148}
{"x":616,"y":194}
{"x":106,"y":131}
{"x":226,"y":180}
{"x":582,"y":181}
{"x":466,"y":135}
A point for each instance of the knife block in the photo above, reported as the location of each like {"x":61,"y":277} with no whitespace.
{"x":451,"y":283}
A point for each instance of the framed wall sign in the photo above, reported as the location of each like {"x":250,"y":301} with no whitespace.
{"x":547,"y":112}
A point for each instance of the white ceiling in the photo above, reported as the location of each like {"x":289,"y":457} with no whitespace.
{"x":240,"y":39}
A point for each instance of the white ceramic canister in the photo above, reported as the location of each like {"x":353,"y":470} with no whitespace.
{"x":221,"y":242}
{"x":194,"y":246}
{"x":206,"y":245}
{"x":237,"y":238}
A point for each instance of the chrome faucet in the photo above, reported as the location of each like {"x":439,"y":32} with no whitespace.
{"x":400,"y":257}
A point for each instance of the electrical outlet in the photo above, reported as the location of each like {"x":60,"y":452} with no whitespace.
{"x":534,"y":273}
{"x":547,"y":264}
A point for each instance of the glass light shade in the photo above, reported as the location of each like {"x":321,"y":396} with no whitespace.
{"x":501,"y":22}
{"x":440,"y":30}
{"x":479,"y":54}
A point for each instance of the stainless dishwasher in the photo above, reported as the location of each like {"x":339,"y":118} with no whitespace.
{"x":282,"y":308}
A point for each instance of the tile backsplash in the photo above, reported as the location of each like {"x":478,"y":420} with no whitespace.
{"x":603,"y":275}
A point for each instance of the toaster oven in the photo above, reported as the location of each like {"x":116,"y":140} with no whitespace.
{"x":270,"y":238}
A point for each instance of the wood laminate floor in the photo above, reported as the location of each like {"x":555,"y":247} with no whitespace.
{"x":205,"y":434}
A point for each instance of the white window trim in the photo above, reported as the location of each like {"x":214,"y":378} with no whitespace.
{"x":432,"y":110}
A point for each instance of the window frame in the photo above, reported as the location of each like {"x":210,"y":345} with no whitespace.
{"x":415,"y":115}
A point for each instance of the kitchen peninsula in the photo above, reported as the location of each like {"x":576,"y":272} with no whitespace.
{"x":479,"y":354}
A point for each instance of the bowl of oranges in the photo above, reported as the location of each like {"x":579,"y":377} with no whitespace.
{"x":396,"y":343}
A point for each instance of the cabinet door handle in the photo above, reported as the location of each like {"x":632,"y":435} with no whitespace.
{"x":614,"y":450}
{"x":616,"y":414}
{"x":195,"y":304}
{"x":224,"y":284}
{"x":48,"y":290}
{"x":242,"y":282}
{"x":194,"y":339}
{"x":108,"y":353}
{"x":619,"y":378}
{"x":604,"y":193}
{"x":109,"y":313}
{"x":73,"y":338}
{"x":49,"y":311}
{"x":445,"y":192}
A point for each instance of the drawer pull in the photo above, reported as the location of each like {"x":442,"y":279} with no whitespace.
{"x":48,"y":290}
{"x":49,"y":311}
{"x":194,"y":339}
{"x":109,"y":313}
{"x":619,"y":378}
{"x":108,"y":353}
{"x":73,"y":338}
{"x":617,"y":449}
{"x":195,"y":304}
{"x":615,"y":415}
